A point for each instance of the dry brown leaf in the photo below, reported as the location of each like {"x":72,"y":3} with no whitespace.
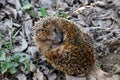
{"x":116,"y":2}
{"x":32,"y":50}
{"x":84,"y":2}
{"x":27,"y":29}
{"x":21,"y":76}
{"x":3,"y":2}
{"x":38,"y":75}
{"x":2,"y":15}
{"x":12,"y":11}
{"x":32,"y":67}
{"x":53,"y":76}
{"x":13,"y":2}
{"x":20,"y":44}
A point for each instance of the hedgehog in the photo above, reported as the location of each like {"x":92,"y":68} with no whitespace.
{"x":65,"y":45}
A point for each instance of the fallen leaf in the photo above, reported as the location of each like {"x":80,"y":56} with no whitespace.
{"x":21,"y":77}
{"x":21,"y":44}
{"x":38,"y":75}
{"x":32,"y":67}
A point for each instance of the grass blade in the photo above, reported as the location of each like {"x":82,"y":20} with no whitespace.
{"x":11,"y":37}
{"x":43,"y":11}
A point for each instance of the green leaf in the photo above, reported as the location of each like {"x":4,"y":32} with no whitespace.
{"x":12,"y":70}
{"x":21,"y":60}
{"x":16,"y":57}
{"x":43,"y":11}
{"x":27,"y":64}
{"x":32,"y":13}
{"x":1,"y":35}
{"x":62,"y":14}
{"x":0,"y":45}
{"x":118,"y":23}
{"x":13,"y":64}
{"x":4,"y":67}
{"x":24,"y":58}
{"x":2,"y":55}
{"x":27,"y":6}
{"x":8,"y":59}
{"x":3,"y":42}
{"x":27,"y":57}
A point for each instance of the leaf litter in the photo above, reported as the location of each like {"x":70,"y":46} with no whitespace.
{"x":99,"y":18}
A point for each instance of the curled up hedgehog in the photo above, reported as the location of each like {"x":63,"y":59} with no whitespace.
{"x":65,"y":46}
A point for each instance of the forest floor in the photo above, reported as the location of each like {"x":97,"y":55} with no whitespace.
{"x":19,"y":57}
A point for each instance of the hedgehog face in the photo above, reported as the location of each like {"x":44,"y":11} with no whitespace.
{"x":49,"y":35}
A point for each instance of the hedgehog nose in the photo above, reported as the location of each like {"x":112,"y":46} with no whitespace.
{"x":60,"y":40}
{"x":57,"y":40}
{"x":59,"y":36}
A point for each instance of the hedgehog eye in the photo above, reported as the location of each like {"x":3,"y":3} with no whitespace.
{"x":55,"y":30}
{"x":51,"y":46}
{"x":45,"y":24}
{"x":42,"y":29}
